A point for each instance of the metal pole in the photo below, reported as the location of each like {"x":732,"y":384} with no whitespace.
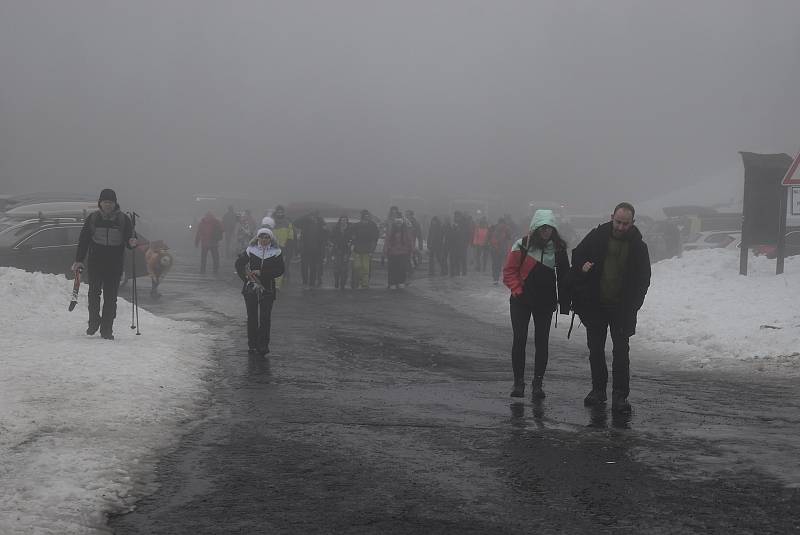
{"x":782,"y":232}
{"x":744,"y":246}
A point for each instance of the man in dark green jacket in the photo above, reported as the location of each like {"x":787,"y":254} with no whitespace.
{"x":610,"y":277}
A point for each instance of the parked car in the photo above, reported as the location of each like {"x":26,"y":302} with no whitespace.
{"x":8,"y":202}
{"x":791,"y":248}
{"x":47,"y":242}
{"x":712,"y":239}
{"x":63,"y":208}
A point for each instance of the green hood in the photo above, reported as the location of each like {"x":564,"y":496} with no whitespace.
{"x":543,"y":217}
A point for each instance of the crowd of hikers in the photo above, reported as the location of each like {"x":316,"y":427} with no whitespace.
{"x":344,"y":249}
{"x":605,"y":283}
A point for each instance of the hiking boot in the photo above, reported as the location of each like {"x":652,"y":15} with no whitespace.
{"x":263,"y":351}
{"x":536,"y":388}
{"x":519,"y":389}
{"x":619,"y":403}
{"x":106,"y":335}
{"x":92,"y":328}
{"x":596,"y":397}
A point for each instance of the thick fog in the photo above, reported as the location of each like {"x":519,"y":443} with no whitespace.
{"x":582,"y":102}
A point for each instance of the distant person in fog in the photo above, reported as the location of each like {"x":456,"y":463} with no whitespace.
{"x":398,"y":247}
{"x":436,"y":246}
{"x":341,"y":241}
{"x":209,"y":234}
{"x":313,"y":237}
{"x":285,"y":236}
{"x":229,"y":222}
{"x":417,"y":239}
{"x":480,"y":242}
{"x":365,"y":236}
{"x":499,"y":244}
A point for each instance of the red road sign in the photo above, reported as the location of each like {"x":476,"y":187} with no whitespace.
{"x":792,"y":177}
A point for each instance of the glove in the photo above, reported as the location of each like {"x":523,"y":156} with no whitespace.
{"x":77,"y":266}
{"x":254,"y":288}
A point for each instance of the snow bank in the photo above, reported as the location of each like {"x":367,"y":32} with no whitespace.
{"x":700,"y":307}
{"x":83,"y":419}
{"x":698,"y":312}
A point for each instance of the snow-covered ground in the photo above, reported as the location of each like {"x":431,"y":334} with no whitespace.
{"x":699,"y":312}
{"x":83,"y":420}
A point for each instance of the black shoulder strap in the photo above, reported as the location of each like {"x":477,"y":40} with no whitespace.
{"x":524,"y":246}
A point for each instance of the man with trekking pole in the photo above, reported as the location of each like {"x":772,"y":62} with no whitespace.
{"x":104,"y":236}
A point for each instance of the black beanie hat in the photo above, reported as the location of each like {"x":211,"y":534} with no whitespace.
{"x":107,"y":195}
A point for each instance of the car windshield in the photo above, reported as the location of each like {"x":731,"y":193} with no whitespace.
{"x":13,"y":231}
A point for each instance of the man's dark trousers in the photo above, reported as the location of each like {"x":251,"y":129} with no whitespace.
{"x":107,"y":282}
{"x":214,"y":250}
{"x":607,"y":318}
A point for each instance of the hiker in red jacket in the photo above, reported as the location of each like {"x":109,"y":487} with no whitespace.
{"x":536,"y":272}
{"x":209,"y":234}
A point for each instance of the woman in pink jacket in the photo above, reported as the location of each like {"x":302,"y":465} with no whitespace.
{"x":536,"y":272}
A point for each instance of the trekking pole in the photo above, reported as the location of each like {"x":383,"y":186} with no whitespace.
{"x":133,"y":290}
{"x":135,"y":296}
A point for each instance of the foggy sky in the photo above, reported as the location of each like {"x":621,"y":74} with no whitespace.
{"x":585,"y":102}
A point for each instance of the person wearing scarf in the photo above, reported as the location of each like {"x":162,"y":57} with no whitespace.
{"x":535,"y":271}
{"x":258,"y":266}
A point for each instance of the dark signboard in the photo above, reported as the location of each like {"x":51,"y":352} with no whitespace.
{"x":762,"y":197}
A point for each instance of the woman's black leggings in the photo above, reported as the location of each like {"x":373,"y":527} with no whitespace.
{"x":520,"y":319}
{"x":259,"y":320}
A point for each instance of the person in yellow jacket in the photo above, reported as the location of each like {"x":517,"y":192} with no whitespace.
{"x":285,"y":236}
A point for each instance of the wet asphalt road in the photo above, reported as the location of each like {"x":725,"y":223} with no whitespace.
{"x":387,"y":412}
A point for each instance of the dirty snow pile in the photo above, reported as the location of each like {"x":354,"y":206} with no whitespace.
{"x":699,"y":312}
{"x":82,"y":419}
{"x":700,"y":307}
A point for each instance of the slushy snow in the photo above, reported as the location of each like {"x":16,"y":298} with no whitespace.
{"x":699,"y":312}
{"x":84,"y":420}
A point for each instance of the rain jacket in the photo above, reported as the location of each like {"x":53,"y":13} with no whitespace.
{"x":586,"y":286}
{"x":538,"y":277}
{"x":268,"y":260}
{"x":399,"y":240}
{"x":209,"y":231}
{"x":284,"y":231}
{"x":365,"y":237}
{"x":104,"y":239}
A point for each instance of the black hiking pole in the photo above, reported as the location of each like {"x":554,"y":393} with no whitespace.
{"x":134,"y":293}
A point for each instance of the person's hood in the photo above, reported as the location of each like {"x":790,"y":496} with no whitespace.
{"x":108,"y":195}
{"x":543,"y":217}
{"x":268,"y":222}
{"x":264,"y":252}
